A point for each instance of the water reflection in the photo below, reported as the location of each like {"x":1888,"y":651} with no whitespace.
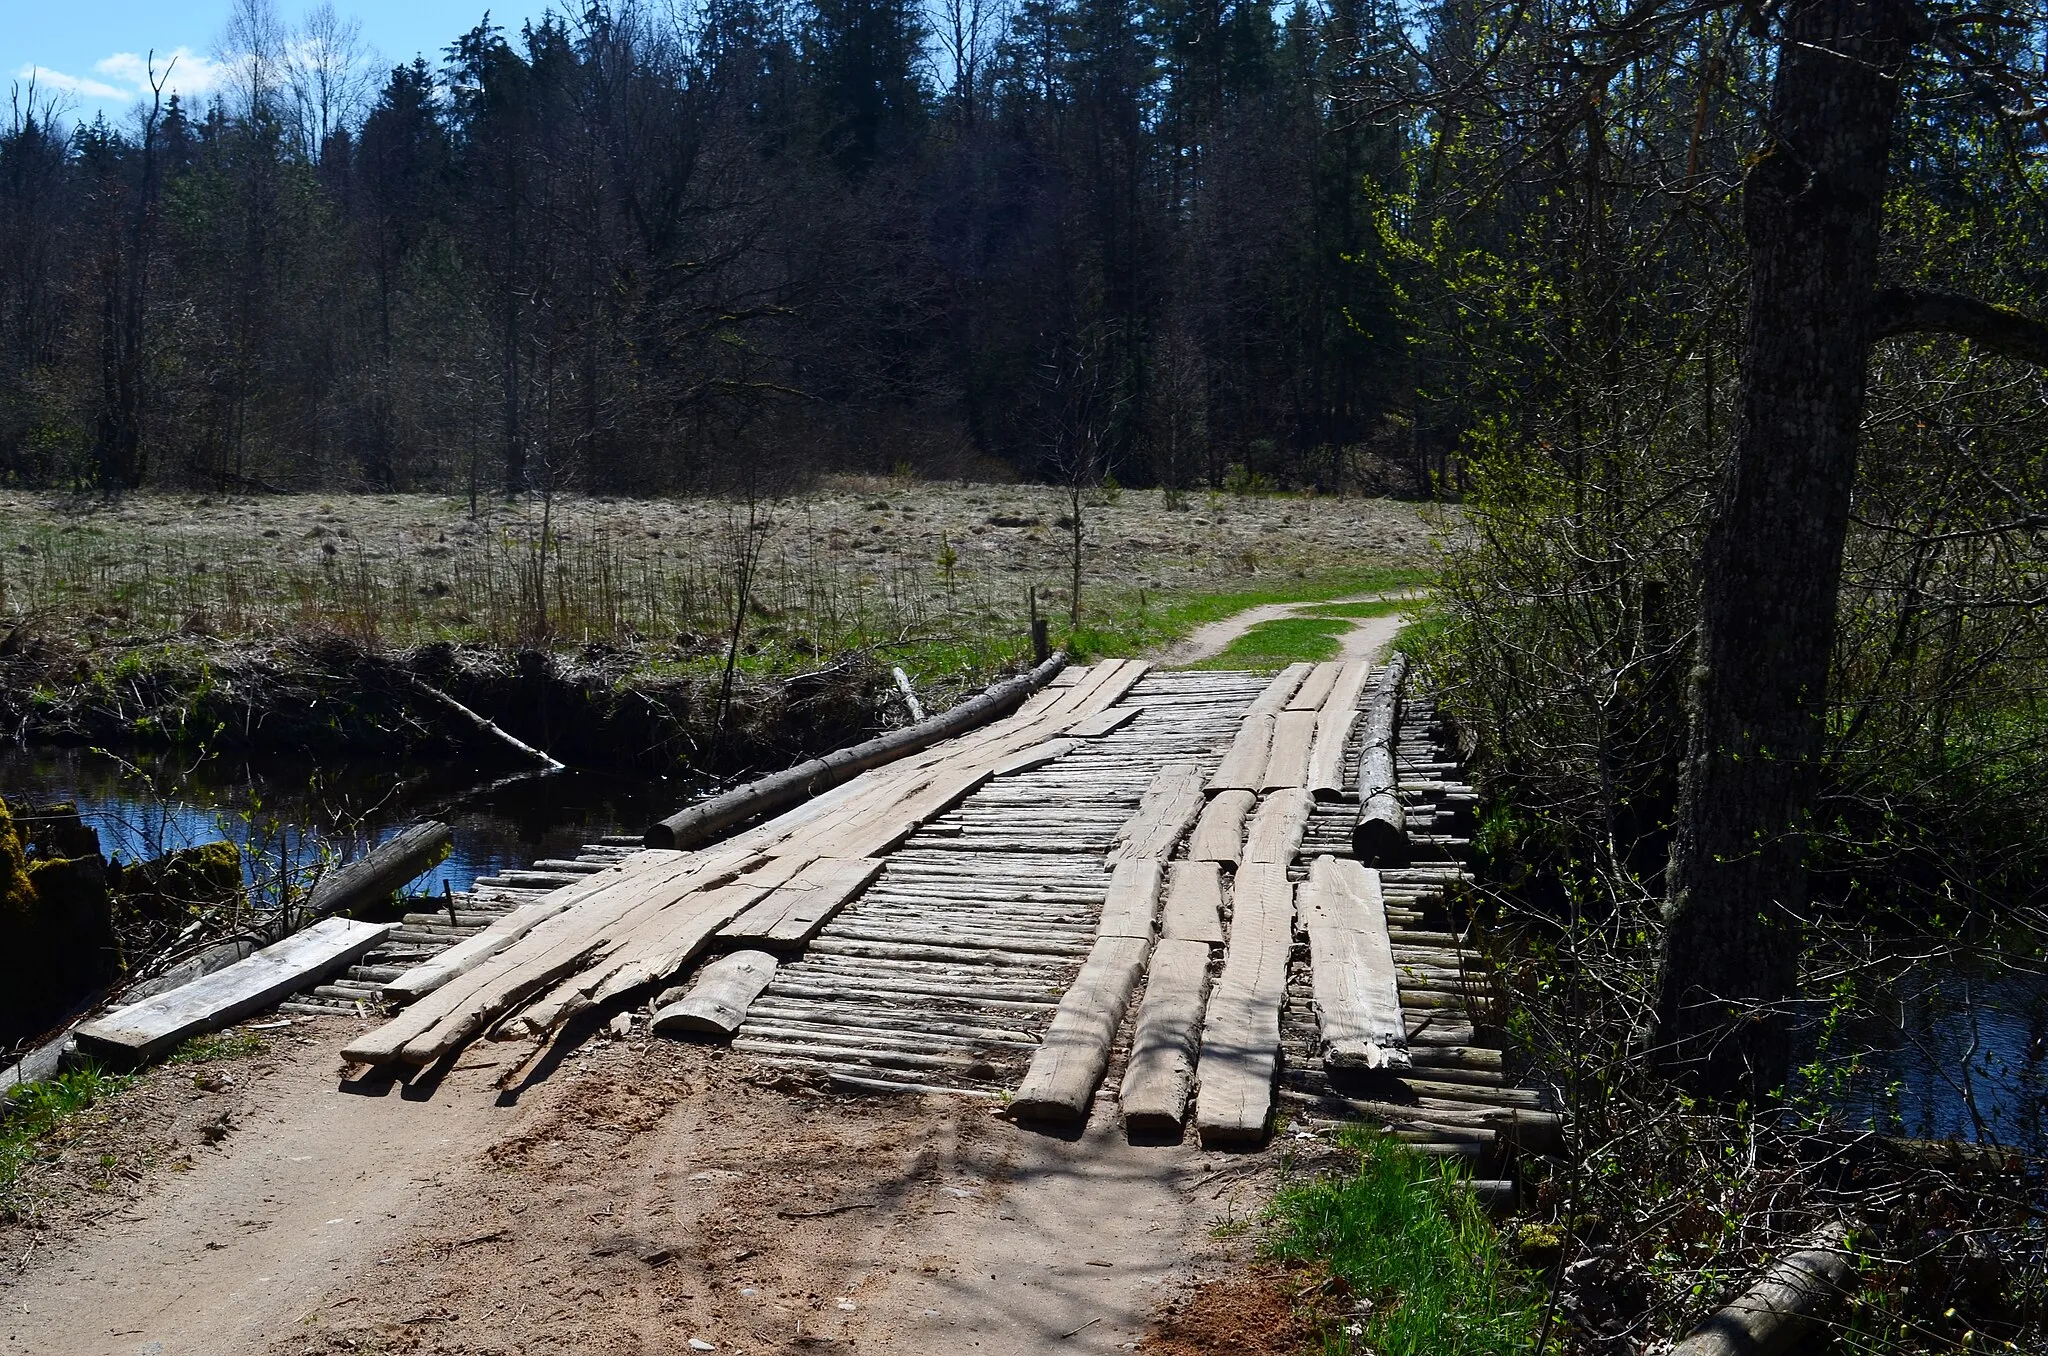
{"x":1952,"y":1045}
{"x":285,"y":811}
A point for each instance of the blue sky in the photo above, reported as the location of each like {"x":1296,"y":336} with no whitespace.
{"x":94,"y":52}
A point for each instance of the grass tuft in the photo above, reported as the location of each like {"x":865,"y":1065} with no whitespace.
{"x":1405,"y":1234}
{"x":33,"y":1113}
{"x":218,"y":1046}
{"x":1276,"y":644}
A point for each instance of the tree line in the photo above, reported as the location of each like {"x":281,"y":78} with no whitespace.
{"x":641,"y":250}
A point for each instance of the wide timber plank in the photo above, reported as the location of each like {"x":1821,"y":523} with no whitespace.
{"x":1273,"y":700}
{"x":1131,"y":908}
{"x":1241,"y":1026}
{"x":794,"y":911}
{"x":1075,"y":1051}
{"x":1037,"y":756}
{"x":1244,"y":765}
{"x":1219,"y":833}
{"x":1194,"y":903}
{"x":1294,"y":733}
{"x":1169,"y":805}
{"x":1104,"y":722}
{"x":1315,"y":688}
{"x":1357,"y":991}
{"x":1276,"y":829}
{"x":1154,"y":1097}
{"x":155,"y":1025}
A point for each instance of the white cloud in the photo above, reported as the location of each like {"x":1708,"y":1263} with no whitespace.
{"x":45,"y":78}
{"x":189,"y":72}
{"x":183,"y":71}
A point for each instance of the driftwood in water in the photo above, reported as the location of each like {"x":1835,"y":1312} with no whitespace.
{"x":1381,"y":835}
{"x":487,"y":728}
{"x":706,"y":819}
{"x":1795,"y":1296}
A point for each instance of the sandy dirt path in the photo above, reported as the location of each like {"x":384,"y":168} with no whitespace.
{"x":646,"y":1195}
{"x":1367,"y":639}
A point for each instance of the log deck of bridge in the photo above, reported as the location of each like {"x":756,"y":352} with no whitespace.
{"x":946,"y":962}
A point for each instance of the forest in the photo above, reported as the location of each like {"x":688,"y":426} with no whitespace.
{"x":635,"y":250}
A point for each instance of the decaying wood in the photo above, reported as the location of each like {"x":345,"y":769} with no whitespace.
{"x":379,"y":873}
{"x":1287,"y":760}
{"x":717,"y":1000}
{"x":1795,"y":1297}
{"x":1169,"y":805}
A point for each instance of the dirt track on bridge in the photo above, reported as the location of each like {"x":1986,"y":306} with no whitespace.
{"x":645,"y":1195}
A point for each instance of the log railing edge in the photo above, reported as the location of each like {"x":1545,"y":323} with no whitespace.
{"x":699,"y":823}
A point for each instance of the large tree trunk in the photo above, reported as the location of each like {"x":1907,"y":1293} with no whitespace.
{"x":1773,"y":552}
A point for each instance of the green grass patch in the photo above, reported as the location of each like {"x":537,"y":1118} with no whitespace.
{"x":32,"y":1113}
{"x":1276,"y":644}
{"x":1405,"y":1232}
{"x":1383,"y":607}
{"x":217,"y":1046}
{"x":1121,"y":623}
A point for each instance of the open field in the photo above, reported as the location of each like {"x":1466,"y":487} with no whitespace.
{"x":857,"y":561}
{"x":169,"y":618}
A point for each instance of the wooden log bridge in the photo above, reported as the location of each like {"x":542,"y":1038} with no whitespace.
{"x":1103,"y":890}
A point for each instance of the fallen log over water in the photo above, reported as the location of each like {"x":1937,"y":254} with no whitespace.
{"x":706,"y":819}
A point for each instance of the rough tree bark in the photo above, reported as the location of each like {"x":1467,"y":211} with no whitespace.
{"x":1773,"y":552}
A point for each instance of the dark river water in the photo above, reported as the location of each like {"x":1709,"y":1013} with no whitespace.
{"x":287,"y":813}
{"x":1948,"y":1046}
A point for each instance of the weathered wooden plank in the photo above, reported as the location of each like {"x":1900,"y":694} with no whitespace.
{"x":1334,"y":722}
{"x":1169,"y":805}
{"x":1219,"y":833}
{"x":1194,"y":903}
{"x":153,"y":1026}
{"x":1154,"y":1096}
{"x":1358,"y":999}
{"x":1104,"y":722}
{"x":1244,"y":765}
{"x":1294,"y":733}
{"x":1315,"y":688}
{"x":467,"y":954}
{"x":660,"y":945}
{"x":1241,"y":1026}
{"x":718,"y":998}
{"x":1274,"y":698}
{"x":1131,"y":909}
{"x":1276,"y":829}
{"x":1075,"y":1052}
{"x":1037,"y":756}
{"x":795,"y":910}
